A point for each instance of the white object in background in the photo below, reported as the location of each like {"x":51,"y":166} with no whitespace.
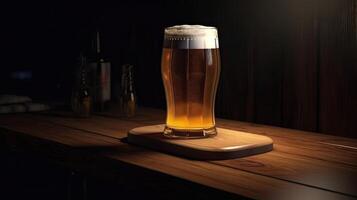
{"x":12,"y":99}
{"x":25,"y":107}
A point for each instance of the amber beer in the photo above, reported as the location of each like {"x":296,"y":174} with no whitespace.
{"x":190,"y":71}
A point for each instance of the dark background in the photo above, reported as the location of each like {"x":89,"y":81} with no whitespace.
{"x":286,"y":63}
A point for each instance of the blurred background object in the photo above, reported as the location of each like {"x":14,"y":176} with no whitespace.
{"x":19,"y":104}
{"x":100,"y":70}
{"x":81,"y":101}
{"x":127,"y":100}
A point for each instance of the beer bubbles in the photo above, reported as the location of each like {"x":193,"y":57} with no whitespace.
{"x":190,"y":71}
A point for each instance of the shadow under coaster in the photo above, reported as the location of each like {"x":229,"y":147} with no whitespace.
{"x":227,"y":144}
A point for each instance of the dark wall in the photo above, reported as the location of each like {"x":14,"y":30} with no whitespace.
{"x":290,"y":63}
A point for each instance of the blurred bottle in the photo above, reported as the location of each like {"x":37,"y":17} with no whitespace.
{"x":127,"y":98}
{"x":81,"y":99}
{"x":99,"y":76}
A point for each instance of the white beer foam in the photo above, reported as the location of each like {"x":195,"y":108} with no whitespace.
{"x":191,"y":37}
{"x":191,"y":31}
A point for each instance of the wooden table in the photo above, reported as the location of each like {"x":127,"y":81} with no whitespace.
{"x":303,"y":165}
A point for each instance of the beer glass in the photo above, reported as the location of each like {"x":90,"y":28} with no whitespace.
{"x":190,"y":70}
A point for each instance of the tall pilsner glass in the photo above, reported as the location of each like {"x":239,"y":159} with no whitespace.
{"x":190,"y":70}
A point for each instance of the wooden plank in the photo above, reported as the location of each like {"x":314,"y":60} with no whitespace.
{"x":299,"y":169}
{"x":317,"y":146}
{"x":109,"y":124}
{"x":338,"y":68}
{"x":299,"y":83}
{"x":294,"y":160}
{"x":313,"y":145}
{"x":312,"y":159}
{"x":268,"y":35}
{"x":52,"y":132}
{"x":208,"y":174}
{"x":227,"y":179}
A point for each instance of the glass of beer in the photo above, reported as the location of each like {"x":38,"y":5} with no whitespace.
{"x":190,"y":71}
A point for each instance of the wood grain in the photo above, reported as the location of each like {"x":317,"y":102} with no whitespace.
{"x":300,"y":65}
{"x":325,"y":147}
{"x":226,"y":178}
{"x":307,"y":158}
{"x":338,"y":67}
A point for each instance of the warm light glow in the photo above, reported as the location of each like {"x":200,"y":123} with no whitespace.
{"x":190,"y":70}
{"x":193,"y":109}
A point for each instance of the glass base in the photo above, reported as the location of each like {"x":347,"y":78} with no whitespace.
{"x":189,"y":134}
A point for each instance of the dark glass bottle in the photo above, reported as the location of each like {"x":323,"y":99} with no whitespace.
{"x":127,"y":98}
{"x":100,"y":75}
{"x":81,"y":98}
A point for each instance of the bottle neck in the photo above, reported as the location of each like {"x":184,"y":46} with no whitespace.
{"x":127,"y":79}
{"x":83,"y":72}
{"x":97,"y":42}
{"x":97,"y":48}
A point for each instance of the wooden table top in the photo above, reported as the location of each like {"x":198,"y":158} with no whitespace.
{"x":303,"y":165}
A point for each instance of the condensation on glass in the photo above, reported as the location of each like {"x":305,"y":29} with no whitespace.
{"x":190,"y":71}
